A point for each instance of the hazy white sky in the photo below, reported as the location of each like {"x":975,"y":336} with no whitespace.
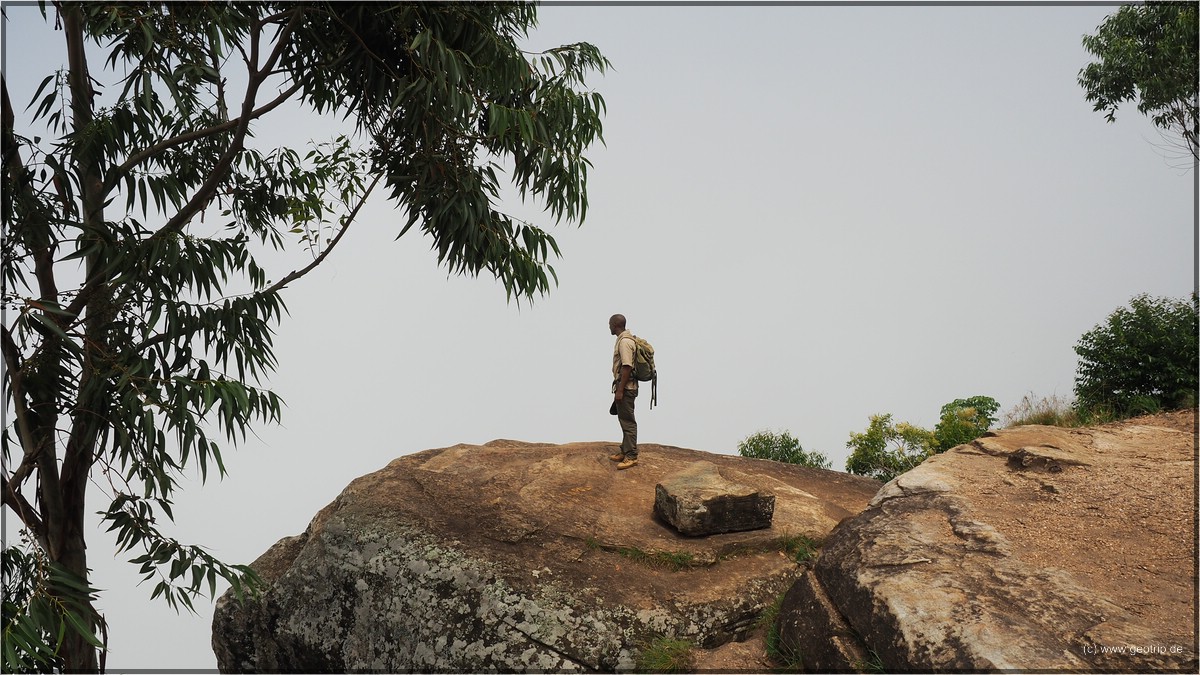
{"x":815,"y":214}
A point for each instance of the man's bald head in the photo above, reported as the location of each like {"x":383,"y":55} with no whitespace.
{"x":616,"y":324}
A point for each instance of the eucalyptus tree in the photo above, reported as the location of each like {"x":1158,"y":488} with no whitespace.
{"x":137,"y":327}
{"x":1148,"y":53}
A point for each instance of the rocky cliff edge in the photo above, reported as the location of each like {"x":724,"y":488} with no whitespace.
{"x":524,"y":557}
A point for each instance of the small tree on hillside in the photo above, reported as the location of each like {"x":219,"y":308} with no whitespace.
{"x":1143,"y":358}
{"x":963,"y":420}
{"x":886,"y":449}
{"x":781,"y":447}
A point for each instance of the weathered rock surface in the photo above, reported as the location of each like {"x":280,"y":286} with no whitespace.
{"x":1033,"y":549}
{"x":520,"y":557}
{"x":699,"y":501}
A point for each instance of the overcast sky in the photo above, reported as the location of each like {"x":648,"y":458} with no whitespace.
{"x":815,"y":214}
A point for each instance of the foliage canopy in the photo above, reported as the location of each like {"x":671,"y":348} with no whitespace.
{"x":781,"y":447}
{"x":138,"y":325}
{"x":1148,"y":53}
{"x":1142,"y":359}
{"x":963,"y":420}
{"x":887,"y":449}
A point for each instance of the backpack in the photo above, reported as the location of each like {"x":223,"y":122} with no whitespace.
{"x":643,"y":366}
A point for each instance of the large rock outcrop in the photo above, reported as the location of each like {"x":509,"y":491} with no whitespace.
{"x":1033,"y":549}
{"x":519,"y":557}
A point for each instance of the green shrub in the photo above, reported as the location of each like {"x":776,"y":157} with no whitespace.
{"x":666,"y":655}
{"x":963,"y":420}
{"x":886,"y":450}
{"x":781,"y":447}
{"x":1144,"y":358}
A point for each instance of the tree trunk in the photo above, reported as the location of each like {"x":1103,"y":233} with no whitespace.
{"x":80,"y":452}
{"x":78,"y":655}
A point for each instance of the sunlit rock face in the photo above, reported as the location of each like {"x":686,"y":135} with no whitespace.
{"x":1033,"y":549}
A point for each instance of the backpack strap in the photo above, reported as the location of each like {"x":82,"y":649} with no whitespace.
{"x":634,"y":338}
{"x":617,"y":381}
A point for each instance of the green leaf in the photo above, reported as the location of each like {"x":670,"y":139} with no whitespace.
{"x":82,"y":629}
{"x":41,"y":87}
{"x":51,"y":325}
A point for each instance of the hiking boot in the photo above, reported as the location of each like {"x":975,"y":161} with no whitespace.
{"x":627,"y":464}
{"x":617,"y":458}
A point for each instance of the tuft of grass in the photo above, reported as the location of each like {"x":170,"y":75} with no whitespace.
{"x":674,"y":561}
{"x":789,"y":660}
{"x":666,"y":655}
{"x":1056,"y":411}
{"x":1053,"y":411}
{"x":801,"y":548}
{"x":873,"y":664}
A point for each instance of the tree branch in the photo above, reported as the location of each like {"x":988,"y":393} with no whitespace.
{"x":16,"y":384}
{"x":279,"y":285}
{"x":219,"y":173}
{"x":25,"y":511}
{"x":190,"y":136}
{"x":263,"y":22}
{"x":41,"y":248}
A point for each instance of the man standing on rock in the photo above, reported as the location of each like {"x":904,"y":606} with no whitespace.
{"x":625,"y":389}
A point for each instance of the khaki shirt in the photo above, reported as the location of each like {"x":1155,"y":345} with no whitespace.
{"x":623,"y":356}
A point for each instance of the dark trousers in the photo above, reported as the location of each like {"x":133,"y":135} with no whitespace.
{"x":628,"y":425}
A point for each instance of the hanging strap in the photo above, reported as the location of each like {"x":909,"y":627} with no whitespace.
{"x":632,"y":367}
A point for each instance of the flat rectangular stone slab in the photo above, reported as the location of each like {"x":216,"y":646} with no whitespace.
{"x":699,"y":501}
